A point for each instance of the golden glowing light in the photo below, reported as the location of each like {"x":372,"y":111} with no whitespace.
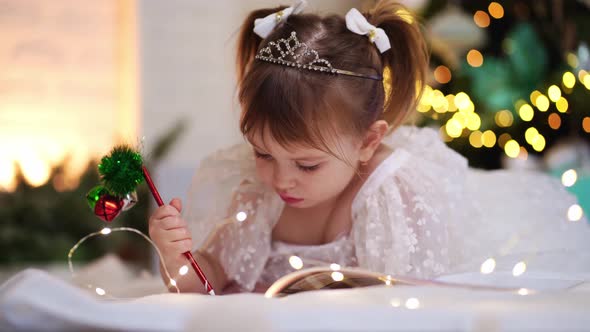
{"x":488,"y":138}
{"x":475,"y":139}
{"x":523,"y":291}
{"x":473,"y":121}
{"x":582,"y":75}
{"x":512,"y":148}
{"x":542,"y":103}
{"x":412,"y":303}
{"x":503,"y":139}
{"x":35,"y":170}
{"x":569,"y":80}
{"x":554,"y":121}
{"x":562,"y":105}
{"x":440,"y":104}
{"x":496,"y":10}
{"x":586,"y":124}
{"x":519,"y":269}
{"x":451,"y":101}
{"x":572,"y":60}
{"x":526,"y":112}
{"x":296,"y":262}
{"x":523,"y":154}
{"x":504,"y":118}
{"x":442,"y":74}
{"x":337,"y":276}
{"x":481,"y":19}
{"x":462,"y":100}
{"x":395,"y":302}
{"x":569,"y":177}
{"x":474,"y":58}
{"x":539,"y":143}
{"x":575,"y":213}
{"x":554,"y":93}
{"x":334,"y":267}
{"x":488,"y":266}
{"x":454,"y":128}
{"x":531,"y":134}
{"x":241,"y":216}
{"x":534,"y":95}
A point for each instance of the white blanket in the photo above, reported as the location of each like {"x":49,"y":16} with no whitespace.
{"x":34,"y":300}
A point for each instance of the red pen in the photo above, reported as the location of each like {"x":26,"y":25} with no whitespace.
{"x":188,"y":254}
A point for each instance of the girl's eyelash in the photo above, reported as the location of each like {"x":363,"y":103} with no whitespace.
{"x":262,"y":155}
{"x":300,"y":167}
{"x":308,"y":168}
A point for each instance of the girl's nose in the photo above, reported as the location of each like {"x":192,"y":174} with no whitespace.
{"x":282,"y":179}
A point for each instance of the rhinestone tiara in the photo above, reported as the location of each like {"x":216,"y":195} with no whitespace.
{"x":298,"y":55}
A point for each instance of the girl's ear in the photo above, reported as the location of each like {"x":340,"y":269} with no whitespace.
{"x":372,"y":140}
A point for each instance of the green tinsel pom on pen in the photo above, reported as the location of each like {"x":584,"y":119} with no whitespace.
{"x":121,"y":171}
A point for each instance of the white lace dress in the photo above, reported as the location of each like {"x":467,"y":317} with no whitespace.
{"x":421,"y":213}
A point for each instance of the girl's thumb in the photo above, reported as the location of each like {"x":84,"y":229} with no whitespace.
{"x":177,"y":204}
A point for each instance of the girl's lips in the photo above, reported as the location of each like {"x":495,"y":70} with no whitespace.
{"x":290,"y":200}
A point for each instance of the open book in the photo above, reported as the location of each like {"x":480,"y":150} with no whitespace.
{"x":318,"y":278}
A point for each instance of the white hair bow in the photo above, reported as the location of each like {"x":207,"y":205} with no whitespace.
{"x":357,"y":23}
{"x":264,"y":26}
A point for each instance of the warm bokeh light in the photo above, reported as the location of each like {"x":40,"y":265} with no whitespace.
{"x":504,"y":118}
{"x":534,"y":95}
{"x":496,"y":10}
{"x":454,"y":128}
{"x":569,"y":177}
{"x":481,"y":19}
{"x":488,"y":138}
{"x":442,"y":74}
{"x":412,"y":303}
{"x":488,"y":266}
{"x":554,"y":121}
{"x":526,"y":112}
{"x":337,"y":276}
{"x":531,"y":134}
{"x":512,"y":148}
{"x":475,"y":139}
{"x":569,"y":80}
{"x":542,"y":103}
{"x":586,"y":124}
{"x":562,"y":105}
{"x":296,"y":262}
{"x":572,"y":60}
{"x":474,"y":58}
{"x":241,"y":216}
{"x":519,"y":269}
{"x":575,"y":213}
{"x":503,"y":139}
{"x":67,"y":98}
{"x":554,"y":93}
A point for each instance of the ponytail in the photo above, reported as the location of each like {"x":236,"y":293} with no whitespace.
{"x":406,"y":61}
{"x":249,"y":42}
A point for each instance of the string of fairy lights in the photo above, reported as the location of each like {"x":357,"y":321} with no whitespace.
{"x":465,"y":122}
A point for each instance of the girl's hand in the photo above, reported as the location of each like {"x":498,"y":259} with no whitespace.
{"x":170,"y":233}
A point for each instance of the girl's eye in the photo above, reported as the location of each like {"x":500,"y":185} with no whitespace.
{"x":308,"y":168}
{"x":262,"y":155}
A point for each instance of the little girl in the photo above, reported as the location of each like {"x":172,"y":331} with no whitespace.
{"x":330,"y":176}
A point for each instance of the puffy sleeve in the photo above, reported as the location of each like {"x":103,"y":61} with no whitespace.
{"x":230,"y":214}
{"x":402,"y":216}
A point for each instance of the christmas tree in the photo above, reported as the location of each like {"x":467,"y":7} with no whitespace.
{"x":510,"y":84}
